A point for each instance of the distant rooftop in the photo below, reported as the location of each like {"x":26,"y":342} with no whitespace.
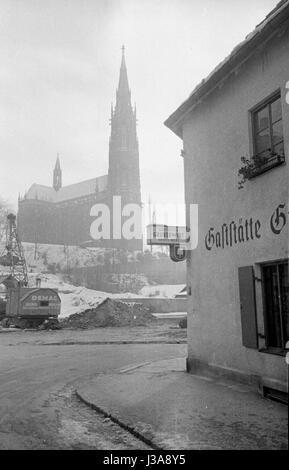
{"x":66,"y":193}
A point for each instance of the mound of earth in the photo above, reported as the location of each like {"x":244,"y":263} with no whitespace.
{"x":110,"y":312}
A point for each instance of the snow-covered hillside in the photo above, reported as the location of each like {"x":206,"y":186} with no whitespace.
{"x":60,"y":258}
{"x":76,"y":299}
{"x":51,"y":262}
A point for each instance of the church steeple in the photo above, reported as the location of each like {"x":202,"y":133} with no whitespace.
{"x":123,"y":174}
{"x":57,"y":175}
{"x":123,"y":91}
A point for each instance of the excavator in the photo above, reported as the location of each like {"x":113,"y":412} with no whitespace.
{"x":22,"y":306}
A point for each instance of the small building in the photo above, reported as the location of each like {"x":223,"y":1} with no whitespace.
{"x":237,"y":277}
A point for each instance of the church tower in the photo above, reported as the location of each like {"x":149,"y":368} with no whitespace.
{"x":57,"y":175}
{"x":123,"y":173}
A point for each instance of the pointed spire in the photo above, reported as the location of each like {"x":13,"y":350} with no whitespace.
{"x":57,"y":175}
{"x":123,"y":64}
{"x":57,"y":164}
{"x":123,"y":143}
{"x":123,"y":90}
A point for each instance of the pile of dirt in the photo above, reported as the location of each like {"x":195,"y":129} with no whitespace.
{"x":110,"y":312}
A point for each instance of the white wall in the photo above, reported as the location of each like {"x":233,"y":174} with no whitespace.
{"x":216,"y":135}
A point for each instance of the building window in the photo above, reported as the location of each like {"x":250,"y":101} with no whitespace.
{"x":268,"y":138}
{"x":276,"y":296}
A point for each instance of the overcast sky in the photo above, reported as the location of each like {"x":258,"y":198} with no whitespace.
{"x":59,"y":70}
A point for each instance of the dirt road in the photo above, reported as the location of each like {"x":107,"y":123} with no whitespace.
{"x":38,"y":409}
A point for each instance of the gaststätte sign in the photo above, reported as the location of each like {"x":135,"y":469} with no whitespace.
{"x":233,"y":233}
{"x":245,"y":230}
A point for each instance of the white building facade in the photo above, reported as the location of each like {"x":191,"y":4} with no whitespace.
{"x":237,"y":277}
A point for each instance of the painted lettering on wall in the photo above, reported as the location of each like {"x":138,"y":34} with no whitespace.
{"x":233,"y":233}
{"x":245,"y":230}
{"x":278,"y":219}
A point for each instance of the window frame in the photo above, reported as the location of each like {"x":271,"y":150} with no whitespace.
{"x":267,"y":348}
{"x":275,"y":161}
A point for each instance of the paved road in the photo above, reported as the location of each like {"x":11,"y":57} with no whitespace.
{"x":38,"y":409}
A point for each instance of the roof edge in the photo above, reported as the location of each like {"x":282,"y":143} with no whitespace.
{"x":239,"y":54}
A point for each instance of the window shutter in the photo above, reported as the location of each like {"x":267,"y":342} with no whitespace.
{"x":248,"y":307}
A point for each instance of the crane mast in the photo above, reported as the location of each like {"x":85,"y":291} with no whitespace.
{"x":13,"y":254}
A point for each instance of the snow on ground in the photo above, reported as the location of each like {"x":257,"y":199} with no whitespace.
{"x":63,"y":256}
{"x":76,"y":299}
{"x":161,"y":290}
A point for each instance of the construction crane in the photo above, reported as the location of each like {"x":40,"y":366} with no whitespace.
{"x":13,"y":254}
{"x":24,"y":306}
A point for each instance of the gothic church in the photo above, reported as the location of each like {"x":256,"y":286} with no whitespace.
{"x":61,"y":214}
